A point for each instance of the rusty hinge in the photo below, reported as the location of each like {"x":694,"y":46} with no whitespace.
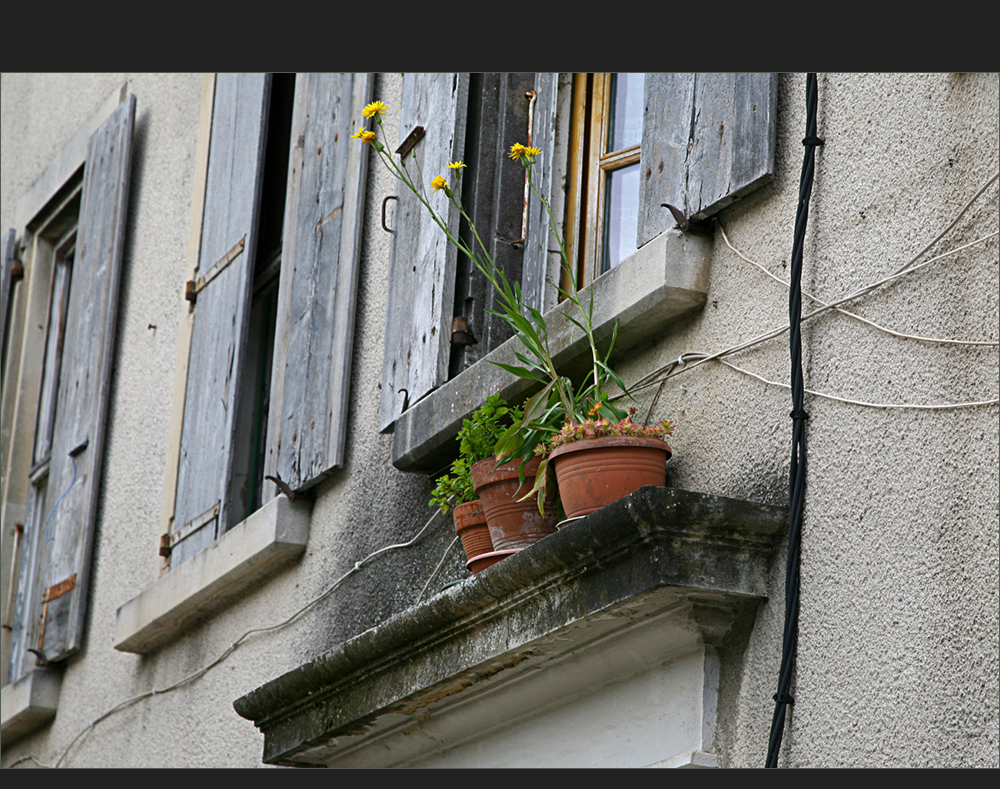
{"x":194,"y":524}
{"x":16,"y":270}
{"x":193,"y":287}
{"x":460,"y":334}
{"x":165,"y":547}
{"x":59,"y":589}
{"x":53,"y":592}
{"x":411,"y":139}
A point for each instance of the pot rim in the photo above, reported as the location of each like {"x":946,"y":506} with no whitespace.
{"x":601,"y":442}
{"x":484,"y":472}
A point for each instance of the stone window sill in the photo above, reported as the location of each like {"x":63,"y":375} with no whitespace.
{"x":29,"y":703}
{"x":661,"y":281}
{"x":268,"y":539}
{"x":611,"y":624}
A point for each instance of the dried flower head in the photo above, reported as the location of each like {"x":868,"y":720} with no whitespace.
{"x":365,"y":135}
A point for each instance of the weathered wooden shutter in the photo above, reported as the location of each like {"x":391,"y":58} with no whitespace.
{"x":7,"y":246}
{"x":707,"y":139}
{"x":225,"y":274}
{"x":319,"y":277}
{"x":54,"y":573}
{"x":421,"y":288}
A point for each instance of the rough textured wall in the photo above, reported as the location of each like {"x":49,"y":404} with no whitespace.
{"x":898,"y":647}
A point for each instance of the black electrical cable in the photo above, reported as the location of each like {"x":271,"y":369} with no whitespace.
{"x":797,"y":472}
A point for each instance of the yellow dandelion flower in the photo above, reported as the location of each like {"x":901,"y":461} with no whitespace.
{"x":439,"y":183}
{"x":364,"y":135}
{"x":375,"y":108}
{"x":523,"y":152}
{"x":517,"y":151}
{"x":456,"y":165}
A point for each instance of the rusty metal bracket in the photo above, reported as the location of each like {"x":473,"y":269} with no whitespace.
{"x":282,"y":485}
{"x":385,"y":227}
{"x":411,"y":140}
{"x":165,"y":547}
{"x":193,"y":287}
{"x":16,"y":270}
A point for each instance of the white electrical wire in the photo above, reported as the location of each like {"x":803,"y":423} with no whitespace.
{"x":233,"y":647}
{"x":851,"y":314}
{"x":862,"y":402}
{"x":653,"y":378}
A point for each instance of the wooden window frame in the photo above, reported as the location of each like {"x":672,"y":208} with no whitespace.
{"x":589,"y":166}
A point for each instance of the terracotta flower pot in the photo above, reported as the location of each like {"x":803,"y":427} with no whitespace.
{"x":470,"y":525}
{"x":513,"y":524}
{"x":485,"y":560}
{"x":593,"y":472}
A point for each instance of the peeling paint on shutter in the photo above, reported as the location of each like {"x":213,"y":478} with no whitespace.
{"x":422,"y":261}
{"x":319,"y":278}
{"x":708,"y":138}
{"x":63,"y":509}
{"x":222,"y":308}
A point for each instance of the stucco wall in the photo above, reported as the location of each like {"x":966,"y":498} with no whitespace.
{"x":898,"y":658}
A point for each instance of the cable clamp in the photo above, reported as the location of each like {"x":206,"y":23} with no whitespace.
{"x":798,"y":413}
{"x":784,"y":698}
{"x":813,"y":140}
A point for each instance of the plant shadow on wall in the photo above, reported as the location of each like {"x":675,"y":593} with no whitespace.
{"x":575,"y":431}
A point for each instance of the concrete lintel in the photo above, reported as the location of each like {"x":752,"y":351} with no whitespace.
{"x":269,"y":538}
{"x":29,"y":703}
{"x":66,"y":162}
{"x":690,"y":562}
{"x":666,"y":278}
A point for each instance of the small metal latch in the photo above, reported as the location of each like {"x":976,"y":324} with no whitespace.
{"x":460,"y":334}
{"x":411,"y":140}
{"x":165,"y":545}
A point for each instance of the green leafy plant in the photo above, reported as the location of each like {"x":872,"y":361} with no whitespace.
{"x":477,"y":440}
{"x":560,"y":401}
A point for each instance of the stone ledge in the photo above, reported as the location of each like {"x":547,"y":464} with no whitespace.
{"x":689,"y":561}
{"x":29,"y":703}
{"x":663,"y":280}
{"x":269,"y":538}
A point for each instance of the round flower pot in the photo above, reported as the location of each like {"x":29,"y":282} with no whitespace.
{"x":593,"y":472}
{"x":513,"y":524}
{"x":470,"y":525}
{"x":485,"y":560}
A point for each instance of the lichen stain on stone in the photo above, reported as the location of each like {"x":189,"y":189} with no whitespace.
{"x":416,"y":704}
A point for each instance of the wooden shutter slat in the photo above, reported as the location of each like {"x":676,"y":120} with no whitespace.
{"x":319,"y":277}
{"x":707,"y":140}
{"x":221,"y":311}
{"x":536,"y":247}
{"x":421,"y":294}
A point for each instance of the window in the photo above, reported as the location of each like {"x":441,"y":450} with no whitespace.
{"x":269,"y":338}
{"x":704,"y":140}
{"x":64,"y":346}
{"x":604,"y":183}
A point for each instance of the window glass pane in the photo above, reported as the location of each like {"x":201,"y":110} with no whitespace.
{"x":621,"y":215}
{"x":626,"y":111}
